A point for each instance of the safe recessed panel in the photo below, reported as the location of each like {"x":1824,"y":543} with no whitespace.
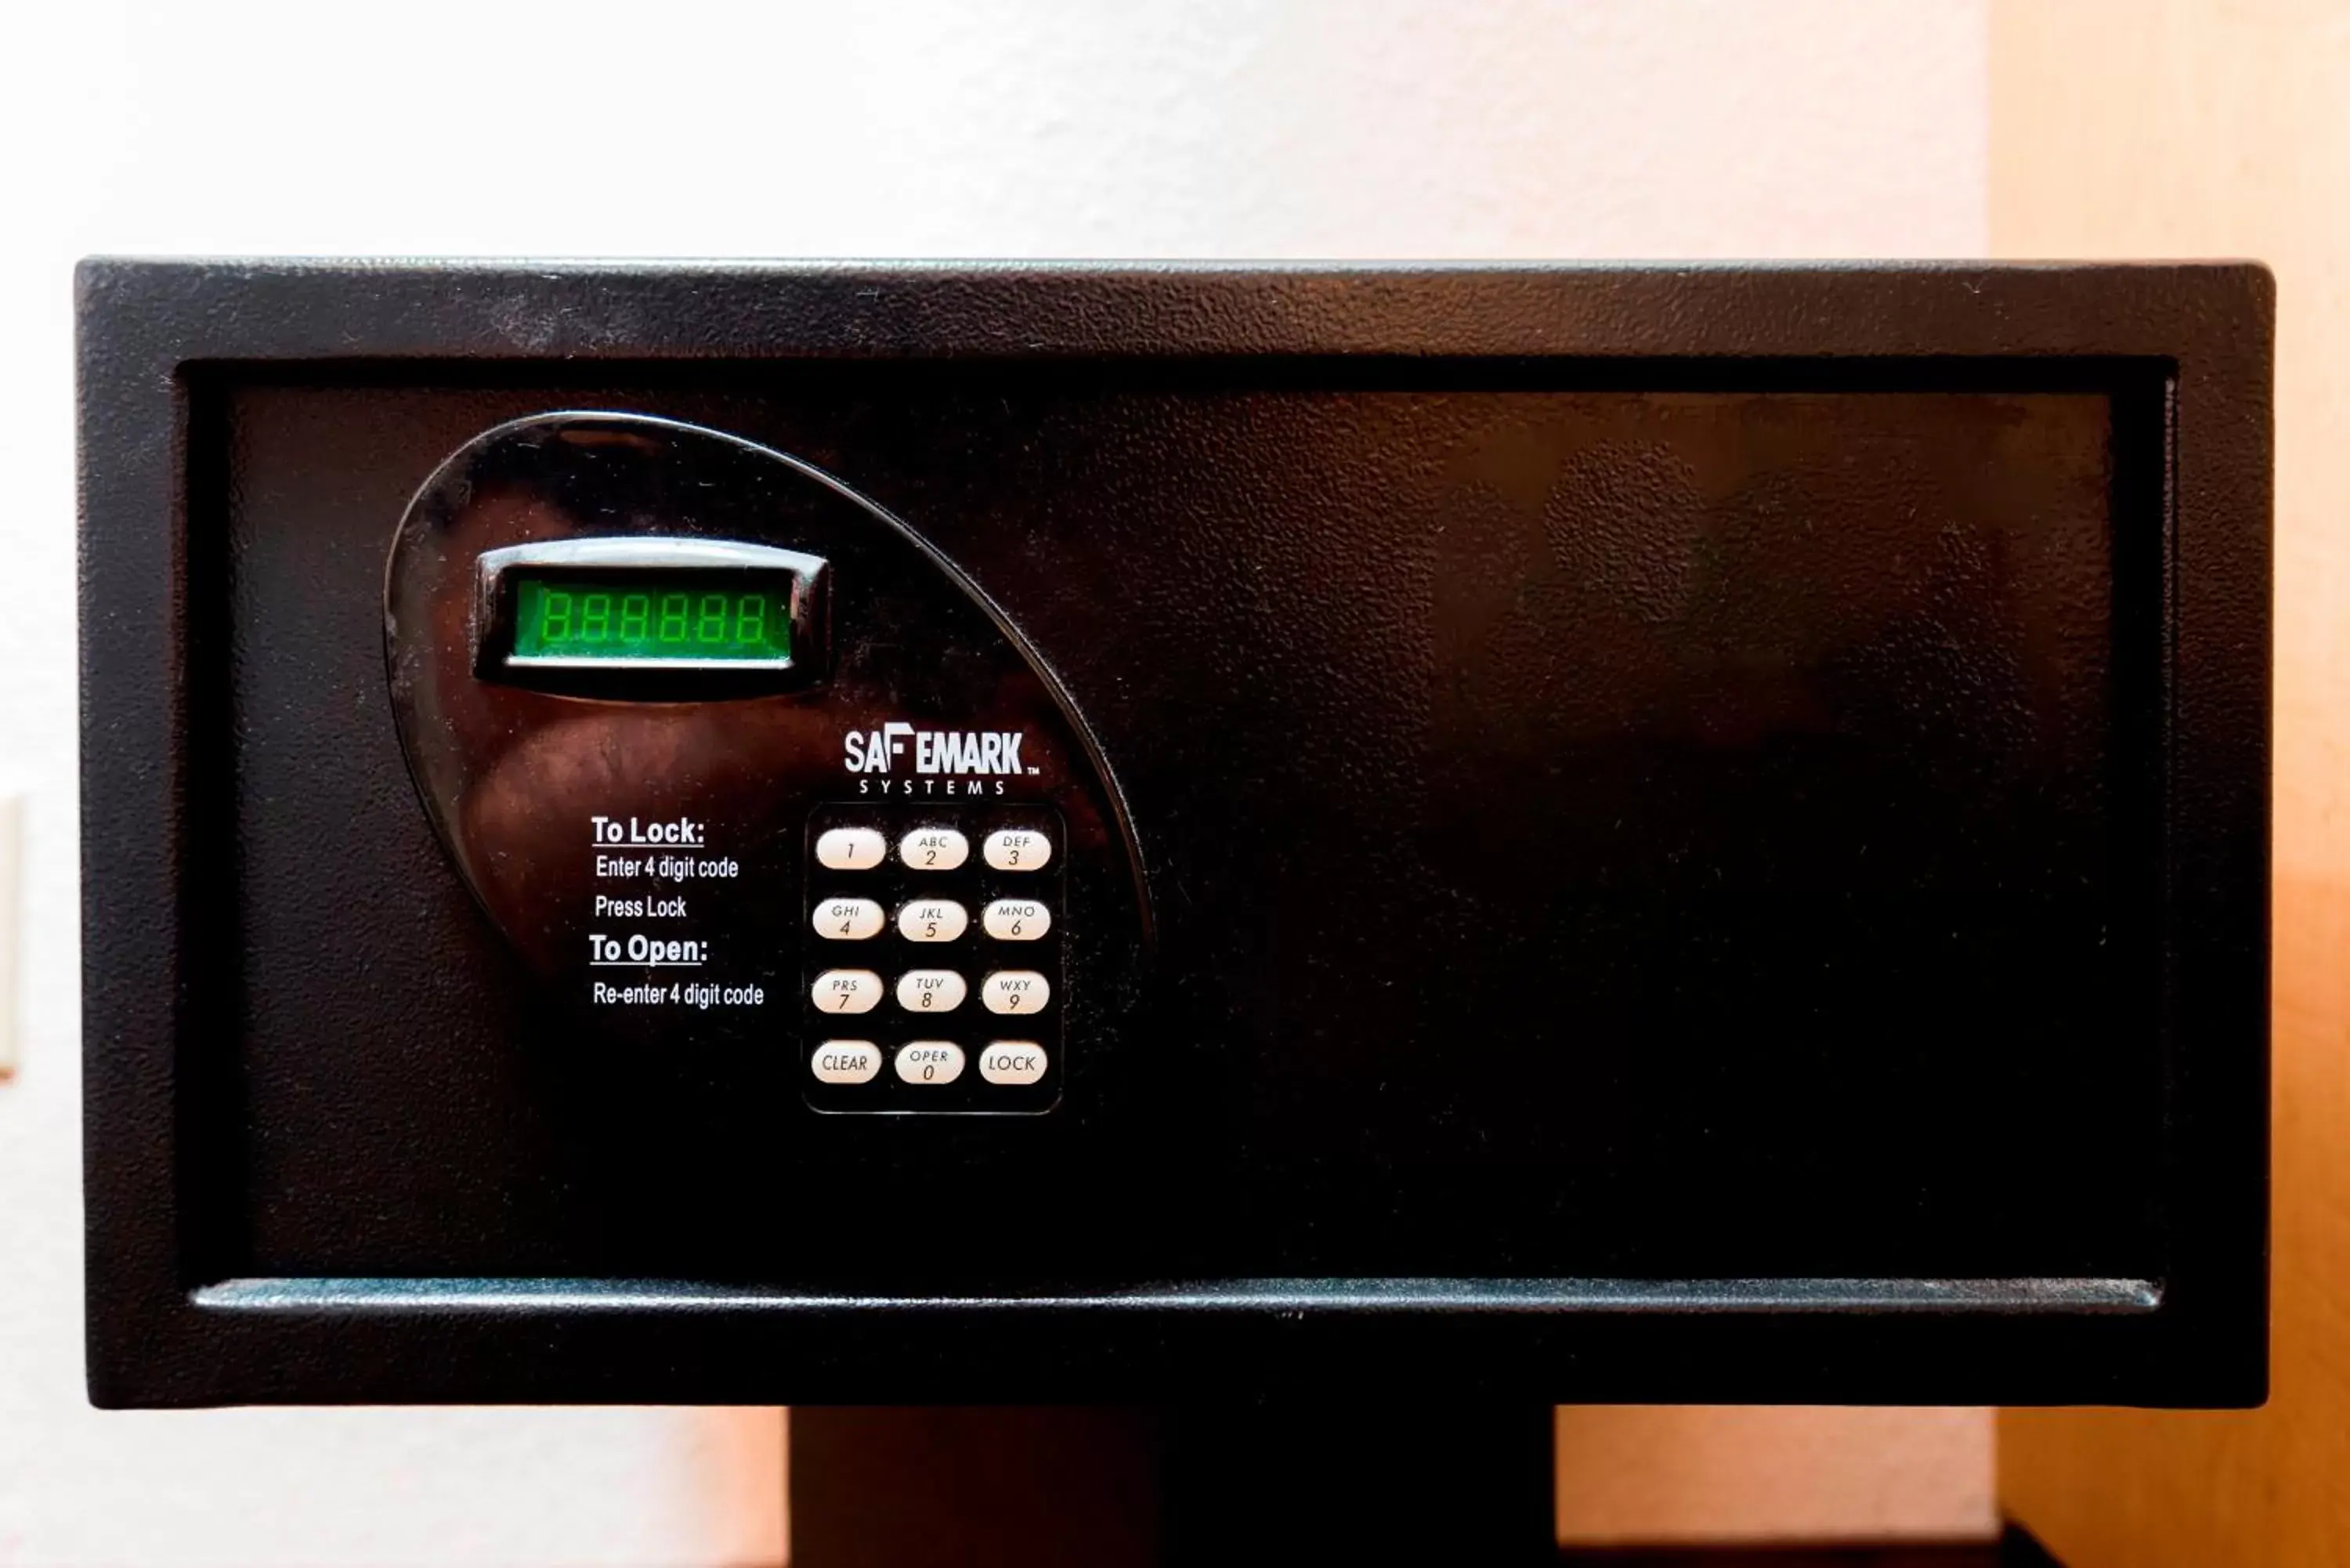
{"x":1673,"y":826}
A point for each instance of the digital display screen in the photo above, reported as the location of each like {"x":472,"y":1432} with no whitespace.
{"x":653,"y":619}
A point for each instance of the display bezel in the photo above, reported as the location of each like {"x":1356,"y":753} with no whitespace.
{"x":795,"y":578}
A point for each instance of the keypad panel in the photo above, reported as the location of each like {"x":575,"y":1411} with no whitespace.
{"x":944,"y":948}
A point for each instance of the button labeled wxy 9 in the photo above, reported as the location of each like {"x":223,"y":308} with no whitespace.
{"x":1015,"y":991}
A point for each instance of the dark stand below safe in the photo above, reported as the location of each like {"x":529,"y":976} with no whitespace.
{"x":1118,"y":1487}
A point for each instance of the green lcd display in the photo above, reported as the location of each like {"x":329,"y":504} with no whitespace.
{"x":652,"y":618}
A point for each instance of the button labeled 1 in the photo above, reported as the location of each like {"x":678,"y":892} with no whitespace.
{"x":1017,"y":850}
{"x":850,"y":848}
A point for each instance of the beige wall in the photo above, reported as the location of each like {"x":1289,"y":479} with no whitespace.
{"x":2203,"y":128}
{"x":1647,"y":1473}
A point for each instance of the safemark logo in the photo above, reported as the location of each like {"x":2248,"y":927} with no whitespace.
{"x":895,"y":746}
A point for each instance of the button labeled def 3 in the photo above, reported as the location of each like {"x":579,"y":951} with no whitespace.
{"x":1017,"y":850}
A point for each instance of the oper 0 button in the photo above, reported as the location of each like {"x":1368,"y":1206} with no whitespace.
{"x":847,"y":920}
{"x":846,"y":990}
{"x":930,"y":1061}
{"x":850,"y":848}
{"x":933,"y":849}
{"x":930,"y":991}
{"x":846,"y":1061}
{"x":1015,"y":919}
{"x":1017,"y":850}
{"x":1012,"y":1062}
{"x":1015,"y":991}
{"x":933,"y":920}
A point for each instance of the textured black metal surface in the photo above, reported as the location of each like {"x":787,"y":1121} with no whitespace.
{"x":1910,"y":1044}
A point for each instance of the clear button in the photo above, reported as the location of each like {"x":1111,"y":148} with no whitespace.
{"x":846,"y":1061}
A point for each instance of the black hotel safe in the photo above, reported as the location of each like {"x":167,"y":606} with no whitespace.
{"x":817,"y":834}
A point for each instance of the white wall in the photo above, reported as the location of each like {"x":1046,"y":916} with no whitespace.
{"x":1225,"y":128}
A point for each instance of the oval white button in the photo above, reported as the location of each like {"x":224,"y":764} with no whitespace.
{"x":1015,"y":919}
{"x":847,"y":920}
{"x":850,"y":848}
{"x":933,"y":920}
{"x":930,"y":1061}
{"x":1012,"y":1062}
{"x":1015,"y":991}
{"x":1017,"y":850}
{"x":930,"y":991}
{"x":933,"y":849}
{"x":847,"y":1061}
{"x":846,"y":990}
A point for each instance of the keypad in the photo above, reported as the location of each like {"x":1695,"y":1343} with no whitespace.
{"x":959,"y":958}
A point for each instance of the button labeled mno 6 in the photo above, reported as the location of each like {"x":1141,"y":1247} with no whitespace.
{"x":1016,"y":919}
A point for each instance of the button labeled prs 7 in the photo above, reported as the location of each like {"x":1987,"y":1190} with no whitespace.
{"x":933,"y":849}
{"x":1015,"y":991}
{"x":1016,"y":919}
{"x":847,"y":920}
{"x":1017,"y":850}
{"x":850,"y":848}
{"x":933,"y":920}
{"x":846,"y":990}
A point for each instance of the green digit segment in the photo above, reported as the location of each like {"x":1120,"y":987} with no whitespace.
{"x":649,"y":621}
